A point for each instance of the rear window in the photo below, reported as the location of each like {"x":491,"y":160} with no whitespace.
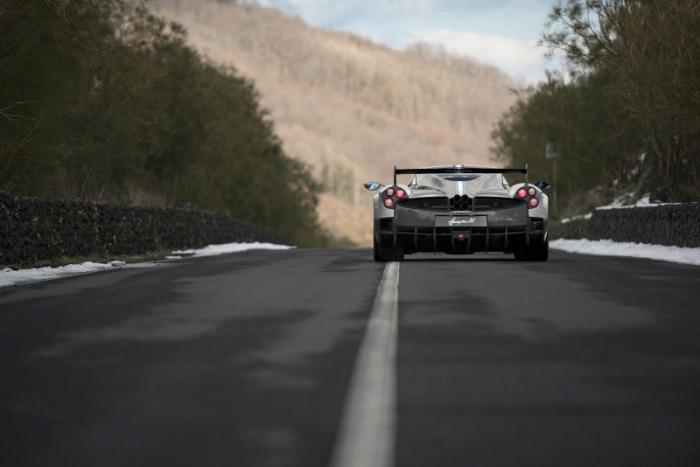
{"x":476,"y":181}
{"x":460,"y":177}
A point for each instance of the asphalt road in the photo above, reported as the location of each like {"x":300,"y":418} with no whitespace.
{"x":248,"y":360}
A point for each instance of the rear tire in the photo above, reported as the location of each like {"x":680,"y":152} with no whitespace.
{"x":383,"y":254}
{"x":398,"y":254}
{"x":539,"y":252}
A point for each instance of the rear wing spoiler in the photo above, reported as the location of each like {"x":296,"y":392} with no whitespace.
{"x":459,"y":170}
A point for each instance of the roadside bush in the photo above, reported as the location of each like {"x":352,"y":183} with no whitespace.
{"x":577,"y":228}
{"x":104,"y":101}
{"x":628,"y":119}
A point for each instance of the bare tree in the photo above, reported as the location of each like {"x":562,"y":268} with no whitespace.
{"x":652,"y":48}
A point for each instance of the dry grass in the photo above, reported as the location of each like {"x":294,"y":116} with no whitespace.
{"x":347,"y":106}
{"x":355,"y":224}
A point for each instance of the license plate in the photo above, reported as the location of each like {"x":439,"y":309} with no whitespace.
{"x":460,"y":221}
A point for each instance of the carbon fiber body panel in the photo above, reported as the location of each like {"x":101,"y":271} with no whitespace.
{"x":460,"y":232}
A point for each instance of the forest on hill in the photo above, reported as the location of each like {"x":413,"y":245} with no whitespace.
{"x":102,"y":100}
{"x":627,"y":123}
{"x":350,"y":108}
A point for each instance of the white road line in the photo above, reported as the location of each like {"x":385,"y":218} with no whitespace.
{"x":366,"y":436}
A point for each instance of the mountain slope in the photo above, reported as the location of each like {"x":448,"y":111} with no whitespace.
{"x":350,"y":108}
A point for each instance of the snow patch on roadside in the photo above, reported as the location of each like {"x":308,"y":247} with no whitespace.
{"x":566,"y":220}
{"x":672,"y":254}
{"x":643,"y":202}
{"x":213,"y":250}
{"x":11,"y":277}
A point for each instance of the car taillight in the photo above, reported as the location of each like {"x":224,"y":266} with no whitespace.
{"x":393,"y":195}
{"x":529,"y":194}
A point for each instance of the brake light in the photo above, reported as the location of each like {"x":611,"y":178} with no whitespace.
{"x":400,"y":194}
{"x":389,"y":203}
{"x":534,"y":202}
{"x":522,"y":193}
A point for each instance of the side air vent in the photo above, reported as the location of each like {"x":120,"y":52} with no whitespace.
{"x":432,"y":204}
{"x":494,"y":204}
{"x":460,"y":203}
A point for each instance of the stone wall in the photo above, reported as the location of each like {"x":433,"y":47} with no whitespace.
{"x":33,"y":230}
{"x":677,"y":225}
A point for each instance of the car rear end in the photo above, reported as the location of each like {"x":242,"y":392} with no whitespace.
{"x":427,"y":221}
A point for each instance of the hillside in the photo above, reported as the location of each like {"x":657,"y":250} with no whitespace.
{"x":348,"y":107}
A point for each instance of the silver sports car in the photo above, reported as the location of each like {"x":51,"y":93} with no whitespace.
{"x":460,"y":210}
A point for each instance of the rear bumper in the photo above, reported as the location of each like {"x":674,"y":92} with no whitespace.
{"x":423,"y":231}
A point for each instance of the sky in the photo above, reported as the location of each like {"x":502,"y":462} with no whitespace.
{"x":503,"y":33}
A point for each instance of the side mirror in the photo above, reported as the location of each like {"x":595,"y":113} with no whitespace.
{"x":542,"y":185}
{"x":372,"y":186}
